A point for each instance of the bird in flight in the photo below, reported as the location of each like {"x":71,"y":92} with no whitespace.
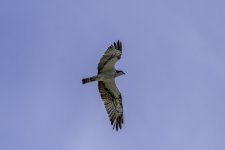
{"x":108,"y":90}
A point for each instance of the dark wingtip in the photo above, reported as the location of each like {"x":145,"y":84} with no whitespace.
{"x":118,"y":123}
{"x":119,"y":45}
{"x":111,"y":46}
{"x":115,"y":45}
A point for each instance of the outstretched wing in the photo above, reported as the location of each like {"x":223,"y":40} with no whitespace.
{"x":112,"y":99}
{"x":110,"y":57}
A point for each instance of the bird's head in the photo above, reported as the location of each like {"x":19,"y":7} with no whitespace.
{"x":119,"y":73}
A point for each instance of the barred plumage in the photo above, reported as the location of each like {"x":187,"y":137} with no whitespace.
{"x":90,"y":79}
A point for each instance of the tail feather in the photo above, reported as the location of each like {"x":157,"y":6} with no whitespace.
{"x":90,"y":79}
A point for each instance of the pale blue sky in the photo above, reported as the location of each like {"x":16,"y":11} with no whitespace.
{"x":173,"y":91}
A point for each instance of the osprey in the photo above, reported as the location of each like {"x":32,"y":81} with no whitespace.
{"x":108,"y":90}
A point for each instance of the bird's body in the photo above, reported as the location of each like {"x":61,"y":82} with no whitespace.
{"x":108,"y":75}
{"x":109,"y":92}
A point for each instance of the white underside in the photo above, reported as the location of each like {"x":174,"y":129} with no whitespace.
{"x":107,"y":75}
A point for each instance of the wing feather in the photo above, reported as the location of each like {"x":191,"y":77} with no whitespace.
{"x":110,"y":57}
{"x":112,"y":99}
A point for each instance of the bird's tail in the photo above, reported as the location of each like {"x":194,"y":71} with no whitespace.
{"x":90,"y":79}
